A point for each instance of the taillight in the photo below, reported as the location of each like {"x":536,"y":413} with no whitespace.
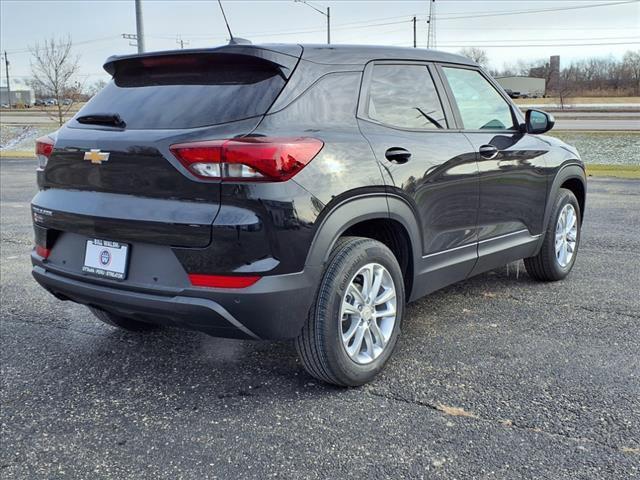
{"x":44,"y":147}
{"x":222,"y":281}
{"x":248,"y":159}
{"x":42,"y":251}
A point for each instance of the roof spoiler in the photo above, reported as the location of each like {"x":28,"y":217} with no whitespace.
{"x":285,"y":60}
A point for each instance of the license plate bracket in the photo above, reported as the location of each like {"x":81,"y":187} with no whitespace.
{"x":106,"y":259}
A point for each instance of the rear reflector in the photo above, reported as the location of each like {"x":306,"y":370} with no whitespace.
{"x":43,"y":252}
{"x":222,"y":281}
{"x":255,"y":159}
{"x":44,"y":147}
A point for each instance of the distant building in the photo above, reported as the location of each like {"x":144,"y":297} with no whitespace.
{"x":20,"y":95}
{"x":554,"y":75}
{"x":525,"y":86}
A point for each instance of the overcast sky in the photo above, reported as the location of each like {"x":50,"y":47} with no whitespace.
{"x":574,"y":29}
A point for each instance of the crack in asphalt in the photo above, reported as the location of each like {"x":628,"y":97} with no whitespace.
{"x":582,"y":307}
{"x":555,"y":304}
{"x":506,"y":423}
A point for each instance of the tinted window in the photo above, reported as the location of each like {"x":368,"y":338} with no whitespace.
{"x":404,"y":96}
{"x":480,"y":105}
{"x":188,"y":91}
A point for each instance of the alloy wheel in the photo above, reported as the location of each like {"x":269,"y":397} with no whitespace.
{"x":368,"y":313}
{"x":566,"y":235}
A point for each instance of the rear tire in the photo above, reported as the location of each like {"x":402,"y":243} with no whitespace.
{"x":121,"y":322}
{"x":354,"y":324}
{"x":552,"y":262}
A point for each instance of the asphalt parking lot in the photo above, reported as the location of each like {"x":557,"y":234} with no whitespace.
{"x":496,"y":377}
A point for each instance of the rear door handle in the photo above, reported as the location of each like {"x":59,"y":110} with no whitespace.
{"x":398,"y":155}
{"x":488,"y":151}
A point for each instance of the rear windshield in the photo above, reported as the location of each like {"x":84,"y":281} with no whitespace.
{"x":187,"y":91}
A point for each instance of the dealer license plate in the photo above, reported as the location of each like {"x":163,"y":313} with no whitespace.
{"x":104,"y":258}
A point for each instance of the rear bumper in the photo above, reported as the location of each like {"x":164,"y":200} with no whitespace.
{"x":273,"y":308}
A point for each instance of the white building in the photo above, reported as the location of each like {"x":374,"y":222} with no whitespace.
{"x":529,"y":86}
{"x":20,"y":95}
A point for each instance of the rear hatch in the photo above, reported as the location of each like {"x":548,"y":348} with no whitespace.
{"x":112,"y":160}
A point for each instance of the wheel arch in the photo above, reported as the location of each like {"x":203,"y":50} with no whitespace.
{"x":573,"y":177}
{"x":578,"y":187}
{"x":383,"y":217}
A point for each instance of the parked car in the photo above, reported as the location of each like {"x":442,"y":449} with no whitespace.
{"x":298,"y":192}
{"x":513,"y":94}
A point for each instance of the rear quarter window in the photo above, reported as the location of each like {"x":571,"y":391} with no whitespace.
{"x":187,"y":91}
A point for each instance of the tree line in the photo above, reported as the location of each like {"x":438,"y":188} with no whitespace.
{"x":55,"y":73}
{"x":596,"y":76}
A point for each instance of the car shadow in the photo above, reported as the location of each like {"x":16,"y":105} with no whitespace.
{"x":176,"y":359}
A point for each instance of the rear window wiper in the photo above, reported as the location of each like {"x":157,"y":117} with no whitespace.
{"x":428,"y":117}
{"x":108,"y":119}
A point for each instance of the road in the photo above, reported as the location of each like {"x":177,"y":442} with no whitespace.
{"x":577,"y":121}
{"x":497,"y":377}
{"x":594,"y":125}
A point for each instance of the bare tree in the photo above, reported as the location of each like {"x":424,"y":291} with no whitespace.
{"x":594,"y":76}
{"x":96,"y":87}
{"x":631,"y":68}
{"x":54,"y":67}
{"x":477,"y":55}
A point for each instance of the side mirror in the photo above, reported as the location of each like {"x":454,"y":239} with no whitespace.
{"x":538,"y":121}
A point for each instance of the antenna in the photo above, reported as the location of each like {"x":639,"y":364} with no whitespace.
{"x":225,"y":20}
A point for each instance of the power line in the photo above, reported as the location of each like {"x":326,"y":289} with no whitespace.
{"x":77,"y":75}
{"x":590,"y":39}
{"x":452,"y":16}
{"x":342,"y":26}
{"x":84,"y":42}
{"x":518,"y":28}
{"x":502,"y":45}
{"x":289,"y":32}
{"x":363,"y":24}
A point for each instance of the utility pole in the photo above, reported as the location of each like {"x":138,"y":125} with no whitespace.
{"x":414,"y":32}
{"x":326,"y":14}
{"x":139,"y":26}
{"x":431,"y":36}
{"x":181,"y":42}
{"x":6,"y":71}
{"x":328,"y":26}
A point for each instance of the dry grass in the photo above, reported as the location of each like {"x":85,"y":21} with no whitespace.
{"x":455,"y":411}
{"x":630,"y":450}
{"x":619,"y":171}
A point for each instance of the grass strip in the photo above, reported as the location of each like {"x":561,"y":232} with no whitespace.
{"x":618,"y":171}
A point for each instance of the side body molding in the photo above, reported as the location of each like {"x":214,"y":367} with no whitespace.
{"x":430,"y":272}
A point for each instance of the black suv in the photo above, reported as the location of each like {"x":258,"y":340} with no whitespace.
{"x":297,"y":192}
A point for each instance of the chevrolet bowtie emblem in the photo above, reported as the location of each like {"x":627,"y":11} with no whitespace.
{"x":96,"y":156}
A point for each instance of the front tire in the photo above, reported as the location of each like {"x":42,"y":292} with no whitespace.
{"x":121,"y":322}
{"x":354,"y":324}
{"x":561,"y":240}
